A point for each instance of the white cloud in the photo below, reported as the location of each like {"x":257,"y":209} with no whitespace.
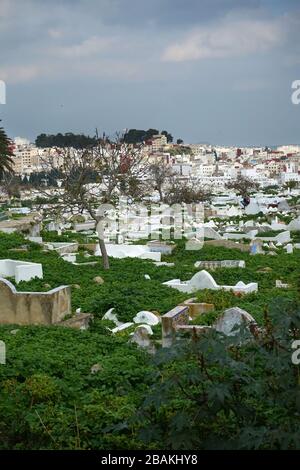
{"x":88,"y":47}
{"x":19,"y":73}
{"x":229,"y":38}
{"x":57,"y":70}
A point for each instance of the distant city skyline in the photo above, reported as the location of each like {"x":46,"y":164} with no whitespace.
{"x":210,"y":70}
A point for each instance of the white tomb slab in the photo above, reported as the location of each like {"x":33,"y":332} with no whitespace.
{"x":129,"y":251}
{"x":276,"y":226}
{"x":38,"y":240}
{"x":20,"y":270}
{"x":231,"y":319}
{"x":209,"y":232}
{"x":253,"y":208}
{"x":62,"y":247}
{"x":282,"y":238}
{"x":123,"y":326}
{"x":204,"y":280}
{"x":294,"y":225}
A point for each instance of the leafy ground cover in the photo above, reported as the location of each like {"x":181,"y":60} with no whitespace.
{"x":50,"y":398}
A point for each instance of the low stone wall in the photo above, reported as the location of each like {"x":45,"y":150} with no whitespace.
{"x":229,"y":244}
{"x":33,"y":308}
{"x":80,"y":321}
{"x":197,"y":308}
{"x":62,"y":248}
{"x":89,"y":246}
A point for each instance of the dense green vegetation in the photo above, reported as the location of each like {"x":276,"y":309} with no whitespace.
{"x":196,"y":395}
{"x":137,"y":136}
{"x":69,"y":139}
{"x":6,"y":153}
{"x":228,"y":393}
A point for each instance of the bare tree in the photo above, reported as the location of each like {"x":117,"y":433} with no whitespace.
{"x":181,"y":191}
{"x":160,"y":175}
{"x":243,"y":186}
{"x":10,"y":186}
{"x":91,"y":179}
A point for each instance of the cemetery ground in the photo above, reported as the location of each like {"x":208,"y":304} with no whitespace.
{"x":69,"y":389}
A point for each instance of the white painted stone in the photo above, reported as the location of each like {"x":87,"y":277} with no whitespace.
{"x":70,"y":257}
{"x":81,"y":226}
{"x":96,"y":368}
{"x":281,"y":285}
{"x":289,"y":248}
{"x":231,"y":318}
{"x":141,"y":337}
{"x":253,"y":208}
{"x":164,"y":263}
{"x":211,"y":224}
{"x":20,"y":270}
{"x":220,"y":264}
{"x":109,"y":315}
{"x":211,"y":233}
{"x":194,"y":244}
{"x":294,"y":225}
{"x":283,"y":206}
{"x":131,"y":251}
{"x":284,"y":237}
{"x":38,"y":240}
{"x":204,"y":280}
{"x":62,"y":248}
{"x":234,"y":211}
{"x":122,"y":327}
{"x":146,"y":317}
{"x":278,"y":226}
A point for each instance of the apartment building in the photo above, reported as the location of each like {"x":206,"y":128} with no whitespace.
{"x":158,"y":142}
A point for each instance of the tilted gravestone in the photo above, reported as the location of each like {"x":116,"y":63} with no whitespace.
{"x":231,"y":318}
{"x":177,"y":316}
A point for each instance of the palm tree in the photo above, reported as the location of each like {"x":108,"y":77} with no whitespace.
{"x":6,"y":153}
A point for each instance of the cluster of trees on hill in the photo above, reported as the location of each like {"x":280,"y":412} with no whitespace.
{"x":78,"y":141}
{"x":136,"y":136}
{"x":68,"y":139}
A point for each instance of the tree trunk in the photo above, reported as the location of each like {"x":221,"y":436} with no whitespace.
{"x":104,"y":254}
{"x":100,"y":232}
{"x":160,"y":194}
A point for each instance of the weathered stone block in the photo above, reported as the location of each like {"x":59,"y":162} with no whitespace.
{"x":33,"y":308}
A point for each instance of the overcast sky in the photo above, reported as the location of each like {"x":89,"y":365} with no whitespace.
{"x":216,"y":71}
